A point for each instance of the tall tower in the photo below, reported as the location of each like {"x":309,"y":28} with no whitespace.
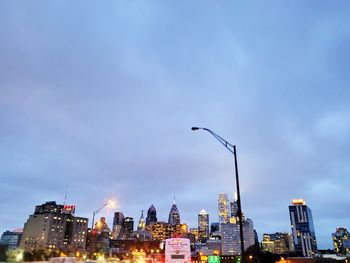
{"x":203,"y":225}
{"x":223,"y":209}
{"x":174,"y":215}
{"x":303,"y":231}
{"x":118,"y":221}
{"x":151,"y":216}
{"x":142,"y":222}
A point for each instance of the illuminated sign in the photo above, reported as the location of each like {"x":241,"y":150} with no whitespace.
{"x":69,"y":209}
{"x":213,"y":259}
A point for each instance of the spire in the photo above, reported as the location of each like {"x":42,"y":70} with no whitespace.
{"x":142,"y":222}
{"x":174,"y":200}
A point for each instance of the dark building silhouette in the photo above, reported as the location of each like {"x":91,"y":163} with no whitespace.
{"x":174,"y":215}
{"x":151,"y":216}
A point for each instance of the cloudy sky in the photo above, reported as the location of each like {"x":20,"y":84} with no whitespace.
{"x":98,"y":98}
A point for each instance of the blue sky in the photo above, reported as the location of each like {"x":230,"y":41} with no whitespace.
{"x":99,"y":99}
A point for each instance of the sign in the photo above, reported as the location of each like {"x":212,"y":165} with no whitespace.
{"x":213,"y":259}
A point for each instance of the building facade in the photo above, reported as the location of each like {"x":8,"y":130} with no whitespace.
{"x":230,"y":237}
{"x":303,"y":231}
{"x":174,"y":215}
{"x":54,"y":227}
{"x":341,"y":241}
{"x":11,"y":239}
{"x":223,"y":209}
{"x":203,"y":225}
{"x":151,"y":216}
{"x":118,"y":221}
{"x":277,"y":243}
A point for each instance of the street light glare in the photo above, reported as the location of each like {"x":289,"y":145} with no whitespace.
{"x":111,"y":204}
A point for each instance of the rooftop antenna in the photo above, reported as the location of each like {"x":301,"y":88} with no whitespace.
{"x":65,"y":197}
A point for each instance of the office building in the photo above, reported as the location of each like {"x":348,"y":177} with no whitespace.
{"x":54,"y":226}
{"x":151,"y":216}
{"x":230,"y":237}
{"x":277,"y":243}
{"x":223,"y":209}
{"x":341,"y":241}
{"x":203,"y":225}
{"x":11,"y":239}
{"x":127,"y":228}
{"x":303,"y":232}
{"x":174,"y":215}
{"x":118,"y":221}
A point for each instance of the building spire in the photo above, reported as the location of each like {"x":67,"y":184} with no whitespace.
{"x":174,"y":200}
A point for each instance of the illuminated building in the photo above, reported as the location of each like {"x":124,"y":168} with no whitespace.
{"x":174,"y":215}
{"x":194,"y":233}
{"x":142,"y":222}
{"x":303,"y":232}
{"x":11,"y":239}
{"x":277,"y":243}
{"x":203,"y":225}
{"x":151,"y":216}
{"x":118,"y":221}
{"x":341,"y":241}
{"x":54,"y":226}
{"x":223,"y":209}
{"x":230,"y":237}
{"x":161,"y":230}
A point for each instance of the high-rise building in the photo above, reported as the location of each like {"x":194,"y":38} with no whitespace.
{"x":151,"y":216}
{"x":54,"y":226}
{"x":127,"y":229}
{"x":230,"y":237}
{"x":277,"y":243}
{"x":223,"y":209}
{"x":303,"y":231}
{"x":11,"y":239}
{"x":203,"y":225}
{"x":161,"y":230}
{"x":174,"y":215}
{"x":142,"y":222}
{"x":118,"y":221}
{"x":341,"y":241}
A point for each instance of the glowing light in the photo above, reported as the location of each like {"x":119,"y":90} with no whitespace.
{"x":298,"y":202}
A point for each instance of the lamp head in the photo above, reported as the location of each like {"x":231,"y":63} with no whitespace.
{"x":195,"y":128}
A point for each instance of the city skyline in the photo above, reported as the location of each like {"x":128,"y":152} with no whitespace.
{"x":99,"y":99}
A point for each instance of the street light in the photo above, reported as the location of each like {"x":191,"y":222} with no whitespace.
{"x":232,"y":149}
{"x":110,"y":203}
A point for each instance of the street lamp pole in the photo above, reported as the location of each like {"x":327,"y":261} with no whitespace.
{"x":232,"y":149}
{"x":95,"y":213}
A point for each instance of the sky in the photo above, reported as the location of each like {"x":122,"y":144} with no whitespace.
{"x":98,"y":99}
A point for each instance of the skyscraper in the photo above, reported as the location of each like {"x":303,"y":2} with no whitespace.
{"x":174,"y":215}
{"x":223,"y":208}
{"x":341,"y":241}
{"x":203,"y":225}
{"x":230,"y":237}
{"x":151,"y":216}
{"x":303,"y":231}
{"x":118,"y":221}
{"x":127,"y":229}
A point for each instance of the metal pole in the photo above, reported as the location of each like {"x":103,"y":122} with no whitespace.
{"x":93,"y":220}
{"x":239,"y":205}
